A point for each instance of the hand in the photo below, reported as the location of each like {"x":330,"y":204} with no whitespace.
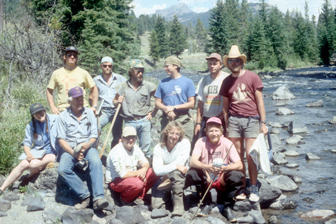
{"x":94,"y":110}
{"x":55,"y":110}
{"x":29,"y":157}
{"x":221,"y":115}
{"x":149,"y":116}
{"x":171,"y":115}
{"x":121,"y":99}
{"x":213,"y":169}
{"x":182,"y":169}
{"x":142,"y":174}
{"x":167,"y":109}
{"x":197,"y":129}
{"x":263,"y":128}
{"x":80,"y":156}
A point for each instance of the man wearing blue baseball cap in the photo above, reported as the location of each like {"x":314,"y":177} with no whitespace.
{"x":106,"y":83}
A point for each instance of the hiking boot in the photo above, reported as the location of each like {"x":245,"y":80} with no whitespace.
{"x":206,"y":210}
{"x":100,"y":204}
{"x":178,"y":204}
{"x":228,"y":214}
{"x":84,"y":204}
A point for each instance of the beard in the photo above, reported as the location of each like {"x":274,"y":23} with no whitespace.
{"x":235,"y":69}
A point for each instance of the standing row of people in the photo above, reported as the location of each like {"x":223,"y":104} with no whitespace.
{"x":235,"y":99}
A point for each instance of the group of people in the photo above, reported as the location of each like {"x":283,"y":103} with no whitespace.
{"x":229,"y":105}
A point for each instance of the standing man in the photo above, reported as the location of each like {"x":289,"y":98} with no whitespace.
{"x":127,"y":169}
{"x":135,"y":98}
{"x":106,"y":83}
{"x":224,"y":176}
{"x":175,"y":95}
{"x":77,"y":133}
{"x":210,"y":103}
{"x":243,"y":111}
{"x":68,"y":77}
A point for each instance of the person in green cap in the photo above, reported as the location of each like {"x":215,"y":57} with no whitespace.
{"x":175,"y":95}
{"x":135,"y":98}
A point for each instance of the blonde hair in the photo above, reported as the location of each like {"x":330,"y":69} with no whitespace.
{"x":170,"y":125}
{"x":214,"y":125}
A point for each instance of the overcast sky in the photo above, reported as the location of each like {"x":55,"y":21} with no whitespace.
{"x":150,"y":6}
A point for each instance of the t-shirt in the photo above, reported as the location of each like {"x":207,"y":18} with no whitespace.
{"x":136,"y":102}
{"x":208,"y":92}
{"x":208,"y":152}
{"x":165,"y":162}
{"x":64,"y":79}
{"x":175,"y":91}
{"x":241,"y":93}
{"x":120,"y":161}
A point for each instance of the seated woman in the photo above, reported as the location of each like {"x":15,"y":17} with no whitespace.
{"x":39,"y":145}
{"x":170,"y":160}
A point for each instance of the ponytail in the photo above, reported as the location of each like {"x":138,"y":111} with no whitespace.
{"x":34,"y":128}
{"x":47,"y":128}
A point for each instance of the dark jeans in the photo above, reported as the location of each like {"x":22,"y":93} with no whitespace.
{"x":233,"y":182}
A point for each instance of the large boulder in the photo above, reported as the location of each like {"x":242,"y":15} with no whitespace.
{"x":283,"y":93}
{"x":317,"y":215}
{"x":282,"y":182}
{"x":318,"y":103}
{"x":283,"y":111}
{"x":268,"y":194}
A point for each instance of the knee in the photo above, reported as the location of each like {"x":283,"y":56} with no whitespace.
{"x":23,"y":165}
{"x":138,"y":184}
{"x":35,"y":164}
{"x":234,"y":177}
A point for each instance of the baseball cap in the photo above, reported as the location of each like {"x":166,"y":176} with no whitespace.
{"x":36,"y":107}
{"x":214,"y":120}
{"x":129,"y":131}
{"x":75,"y":92}
{"x":216,"y":56}
{"x":71,"y":48}
{"x":136,"y":63}
{"x":106,"y":59}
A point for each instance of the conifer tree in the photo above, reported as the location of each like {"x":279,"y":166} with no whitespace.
{"x":201,"y":35}
{"x":232,"y":13}
{"x":177,"y":38}
{"x":162,"y":38}
{"x":245,"y":17}
{"x":154,"y":51}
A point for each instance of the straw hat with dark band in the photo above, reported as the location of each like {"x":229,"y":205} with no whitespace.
{"x":234,"y":53}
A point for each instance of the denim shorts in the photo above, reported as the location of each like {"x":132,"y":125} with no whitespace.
{"x":243,"y":127}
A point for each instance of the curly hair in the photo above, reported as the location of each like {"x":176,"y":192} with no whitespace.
{"x":170,"y":125}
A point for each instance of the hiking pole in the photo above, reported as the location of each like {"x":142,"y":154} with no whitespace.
{"x":109,"y":132}
{"x":98,"y":122}
{"x":209,"y":186}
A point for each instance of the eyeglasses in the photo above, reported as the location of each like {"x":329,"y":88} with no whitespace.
{"x":129,"y":138}
{"x":236,"y":60}
{"x":72,"y":54}
{"x":110,"y":66}
{"x":139,"y":71}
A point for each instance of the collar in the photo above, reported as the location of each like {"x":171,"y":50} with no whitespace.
{"x":84,"y":113}
{"x":212,"y":147}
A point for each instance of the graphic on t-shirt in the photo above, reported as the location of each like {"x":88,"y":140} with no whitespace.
{"x":212,"y":89}
{"x":177,"y":90}
{"x":213,"y":98}
{"x":241,"y":95}
{"x":67,"y":81}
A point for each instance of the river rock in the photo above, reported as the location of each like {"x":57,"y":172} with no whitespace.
{"x":5,"y":205}
{"x":275,"y":131}
{"x":128,"y":215}
{"x":318,"y":103}
{"x":273,"y":220}
{"x":333,"y":150}
{"x":36,"y":204}
{"x":282,"y":182}
{"x":268,"y":194}
{"x":331,"y":221}
{"x":279,"y":158}
{"x":294,"y":177}
{"x":333,"y":120}
{"x":294,"y":140}
{"x":291,"y":153}
{"x":50,"y":215}
{"x":283,"y":111}
{"x":275,"y":124}
{"x":296,"y":128}
{"x":317,"y":215}
{"x":212,"y":220}
{"x":245,"y":219}
{"x":159,"y":213}
{"x":292,"y":165}
{"x":289,"y":203}
{"x":311,"y":156}
{"x":277,"y":205}
{"x":276,"y":143}
{"x":11,"y":196}
{"x":283,"y":93}
{"x":73,"y":216}
{"x":257,"y":216}
{"x":3,"y":214}
{"x":243,"y":206}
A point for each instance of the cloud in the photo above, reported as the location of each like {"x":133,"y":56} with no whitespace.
{"x":139,"y":9}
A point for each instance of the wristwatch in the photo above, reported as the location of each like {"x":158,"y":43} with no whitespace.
{"x":198,"y":123}
{"x":95,"y":106}
{"x":263,"y":122}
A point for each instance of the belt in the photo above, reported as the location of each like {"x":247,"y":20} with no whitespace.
{"x":135,"y":118}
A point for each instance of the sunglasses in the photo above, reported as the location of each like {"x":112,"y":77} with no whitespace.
{"x":236,"y":60}
{"x":71,"y":54}
{"x":110,"y":66}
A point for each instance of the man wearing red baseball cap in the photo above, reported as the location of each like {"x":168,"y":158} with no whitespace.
{"x":215,"y":161}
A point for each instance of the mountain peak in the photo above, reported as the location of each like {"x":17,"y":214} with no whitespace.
{"x":178,"y":10}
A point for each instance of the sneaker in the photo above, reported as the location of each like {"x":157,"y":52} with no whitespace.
{"x":206,"y":210}
{"x":241,"y":194}
{"x":84,"y":204}
{"x":139,"y":201}
{"x":100,"y":204}
{"x":254,"y":195}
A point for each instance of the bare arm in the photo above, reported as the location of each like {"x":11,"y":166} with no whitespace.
{"x":29,"y":156}
{"x":50,"y":99}
{"x":139,"y":173}
{"x":118,"y":99}
{"x":238,"y":165}
{"x":93,"y":98}
{"x":200,"y":107}
{"x":261,"y":110}
{"x":152,"y":114}
{"x":226,"y":105}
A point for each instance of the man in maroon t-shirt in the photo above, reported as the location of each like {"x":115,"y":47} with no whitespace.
{"x":243,"y":109}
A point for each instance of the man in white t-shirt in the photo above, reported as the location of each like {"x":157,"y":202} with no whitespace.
{"x":127,"y":169}
{"x":210,"y":103}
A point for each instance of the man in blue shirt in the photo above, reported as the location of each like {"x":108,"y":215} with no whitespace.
{"x":175,"y":95}
{"x":77,"y":128}
{"x":106,"y":83}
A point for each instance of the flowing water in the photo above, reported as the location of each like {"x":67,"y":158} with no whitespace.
{"x":318,"y":176}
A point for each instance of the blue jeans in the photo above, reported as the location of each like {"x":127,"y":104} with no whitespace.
{"x":106,"y":117}
{"x":66,"y":171}
{"x":143,"y":128}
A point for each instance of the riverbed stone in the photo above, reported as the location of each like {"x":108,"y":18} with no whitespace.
{"x":257,"y":216}
{"x":128,"y":214}
{"x":272,"y":220}
{"x":291,"y":153}
{"x":159,"y":213}
{"x":333,"y":120}
{"x":72,"y":215}
{"x":283,"y":93}
{"x":317,"y":215}
{"x":275,"y":124}
{"x":333,"y":150}
{"x":3,"y":214}
{"x":283,"y":111}
{"x":294,"y":140}
{"x":275,"y":131}
{"x":276,"y":143}
{"x":288,"y":203}
{"x":296,"y":128}
{"x":311,"y":156}
{"x":50,"y":215}
{"x":279,"y":158}
{"x":282,"y":182}
{"x":277,"y":205}
{"x":245,"y":219}
{"x":331,"y":221}
{"x":318,"y":103}
{"x":5,"y":205}
{"x":292,"y":165}
{"x":36,"y":204}
{"x":268,"y":194}
{"x":11,"y":196}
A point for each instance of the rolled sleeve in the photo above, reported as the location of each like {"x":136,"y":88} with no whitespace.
{"x":28,"y":140}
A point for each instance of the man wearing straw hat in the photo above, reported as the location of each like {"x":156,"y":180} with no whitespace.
{"x":175,"y":95}
{"x":243,"y":112}
{"x":106,"y":83}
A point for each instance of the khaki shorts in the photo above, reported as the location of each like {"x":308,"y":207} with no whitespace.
{"x":243,"y":127}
